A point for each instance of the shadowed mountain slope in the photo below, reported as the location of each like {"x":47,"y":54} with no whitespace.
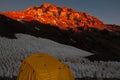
{"x":103,"y":43}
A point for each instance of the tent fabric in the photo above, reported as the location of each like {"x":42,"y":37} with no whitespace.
{"x":44,"y":67}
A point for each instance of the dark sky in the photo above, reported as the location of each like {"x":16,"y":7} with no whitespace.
{"x":106,"y":10}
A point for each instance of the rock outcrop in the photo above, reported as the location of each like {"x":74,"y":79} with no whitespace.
{"x":62,"y":17}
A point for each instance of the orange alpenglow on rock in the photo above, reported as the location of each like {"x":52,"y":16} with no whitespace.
{"x":44,"y":67}
{"x":61,"y":17}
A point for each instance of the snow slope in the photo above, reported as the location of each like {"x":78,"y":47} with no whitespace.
{"x":13,"y":51}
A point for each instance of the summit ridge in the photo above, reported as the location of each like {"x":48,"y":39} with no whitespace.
{"x":62,"y":17}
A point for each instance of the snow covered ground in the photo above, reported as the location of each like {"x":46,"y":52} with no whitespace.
{"x":13,"y":51}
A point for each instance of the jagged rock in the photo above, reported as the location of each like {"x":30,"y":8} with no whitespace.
{"x":62,"y":17}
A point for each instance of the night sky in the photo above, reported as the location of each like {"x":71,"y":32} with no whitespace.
{"x":106,"y":10}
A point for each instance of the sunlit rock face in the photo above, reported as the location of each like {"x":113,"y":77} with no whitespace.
{"x":62,"y":17}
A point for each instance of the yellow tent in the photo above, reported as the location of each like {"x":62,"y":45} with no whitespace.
{"x":44,"y":67}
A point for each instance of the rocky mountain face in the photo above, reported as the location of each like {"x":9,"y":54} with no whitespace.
{"x":62,"y":17}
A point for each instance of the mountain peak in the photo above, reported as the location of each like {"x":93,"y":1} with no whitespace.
{"x":62,"y":17}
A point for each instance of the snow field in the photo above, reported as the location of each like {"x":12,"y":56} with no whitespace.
{"x":13,"y":51}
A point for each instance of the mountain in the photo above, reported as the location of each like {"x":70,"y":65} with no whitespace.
{"x":62,"y":17}
{"x":66,"y":26}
